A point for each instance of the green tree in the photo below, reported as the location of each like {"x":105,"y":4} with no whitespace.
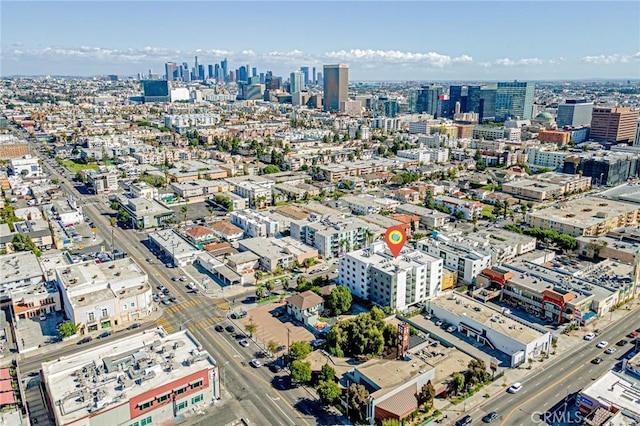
{"x":184,"y":210}
{"x":251,"y":327}
{"x":271,"y":168}
{"x":260,"y":292}
{"x":309,"y":262}
{"x":67,"y":329}
{"x":22,"y":242}
{"x":357,"y":401}
{"x":272,"y":346}
{"x":391,"y":422}
{"x":329,"y":392}
{"x":476,"y":372}
{"x":457,"y":383}
{"x":327,"y":373}
{"x":299,"y":350}
{"x":258,"y":275}
{"x":300,"y":372}
{"x":426,"y":395}
{"x":339,"y":300}
{"x":270,"y":286}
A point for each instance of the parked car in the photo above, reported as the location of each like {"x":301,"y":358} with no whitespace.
{"x":590,"y":336}
{"x":611,"y":350}
{"x":134,"y":326}
{"x":602,"y":344}
{"x":244,"y":343}
{"x":439,"y":323}
{"x":451,"y":329}
{"x":166,"y":291}
{"x":275,"y":368}
{"x":490,"y":417}
{"x":219,"y":328}
{"x":255,"y":363}
{"x":156,"y":298}
{"x":230,"y":328}
{"x":622,"y":342}
{"x":597,"y":360}
{"x":166,"y":301}
{"x":183,"y":278}
{"x":633,"y":334}
{"x":515,"y":388}
{"x":104,"y":335}
{"x":85,"y":340}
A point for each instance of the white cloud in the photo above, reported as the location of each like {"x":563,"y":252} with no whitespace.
{"x":433,"y":59}
{"x":609,"y":59}
{"x":506,"y":62}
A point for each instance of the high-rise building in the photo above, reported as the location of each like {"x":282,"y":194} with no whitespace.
{"x":428,"y":99}
{"x":614,"y":125}
{"x":156,"y":90}
{"x":254,"y":72}
{"x":514,"y":99}
{"x":574,"y":113}
{"x":313,"y":76}
{"x":242,"y":74}
{"x":296,"y":82}
{"x":305,"y":71}
{"x":457,"y":100}
{"x":336,"y":86}
{"x":391,"y":108}
{"x":481,"y":99}
{"x":196,"y":69}
{"x":169,"y":69}
{"x":225,"y":69}
{"x":217,"y":73}
{"x":319,"y":79}
{"x":200,"y":72}
{"x":210,"y":71}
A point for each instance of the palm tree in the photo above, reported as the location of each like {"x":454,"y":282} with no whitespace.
{"x":272,"y":346}
{"x":309,"y":262}
{"x":184,"y":210}
{"x":251,"y":327}
{"x":368,"y":235}
{"x":210,"y":210}
{"x":270,"y":287}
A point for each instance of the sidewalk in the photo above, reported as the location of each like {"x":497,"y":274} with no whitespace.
{"x":513,"y":375}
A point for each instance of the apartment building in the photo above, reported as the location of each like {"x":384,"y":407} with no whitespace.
{"x":537,"y":156}
{"x":457,"y":256}
{"x":373,"y":273}
{"x":469,"y":209}
{"x":425,"y":155}
{"x":19,"y":270}
{"x":430,"y":219}
{"x":255,"y":224}
{"x":532,"y":190}
{"x":143,"y":190}
{"x":102,"y":183}
{"x":26,"y":166}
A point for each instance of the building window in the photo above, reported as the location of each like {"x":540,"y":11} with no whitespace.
{"x":180,"y":391}
{"x":196,"y":399}
{"x":90,"y":316}
{"x":181,"y":405}
{"x":105,"y":313}
{"x":146,"y":421}
{"x":135,"y":424}
{"x":146,"y":405}
{"x":163,"y":398}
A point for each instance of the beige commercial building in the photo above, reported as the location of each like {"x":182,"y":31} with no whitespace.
{"x":614,"y":125}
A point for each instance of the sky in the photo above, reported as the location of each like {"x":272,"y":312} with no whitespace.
{"x":379,"y":40}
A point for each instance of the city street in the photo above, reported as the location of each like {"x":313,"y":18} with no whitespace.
{"x":563,"y":377}
{"x":262,"y":396}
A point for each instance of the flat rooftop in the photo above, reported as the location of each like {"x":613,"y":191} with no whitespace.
{"x":389,"y":374}
{"x":619,"y":389}
{"x":102,"y":275}
{"x":491,"y":318}
{"x":95,"y":379}
{"x":173,"y":243}
{"x":609,"y":274}
{"x":585,"y":212}
{"x":18,"y":267}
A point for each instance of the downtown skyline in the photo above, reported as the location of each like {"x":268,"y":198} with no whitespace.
{"x":378,"y":40}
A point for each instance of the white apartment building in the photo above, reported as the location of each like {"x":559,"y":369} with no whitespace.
{"x":537,"y":156}
{"x":482,"y":132}
{"x":256,"y":189}
{"x":373,"y":273}
{"x":103,"y":295}
{"x":416,"y":127}
{"x":102,"y":183}
{"x":425,"y":155}
{"x":27,"y":166}
{"x":143,"y":190}
{"x":467,"y":261}
{"x":361,"y":205}
{"x":254,"y":224}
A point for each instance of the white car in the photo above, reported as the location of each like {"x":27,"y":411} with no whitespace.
{"x":602,"y":344}
{"x":255,"y":363}
{"x":611,"y":350}
{"x":590,"y":336}
{"x":515,"y":388}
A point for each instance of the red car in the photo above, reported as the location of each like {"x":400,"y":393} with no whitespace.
{"x":632,"y":334}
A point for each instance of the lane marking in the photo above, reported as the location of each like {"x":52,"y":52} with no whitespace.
{"x":281,"y":410}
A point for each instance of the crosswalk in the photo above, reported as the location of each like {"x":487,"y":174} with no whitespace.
{"x":192,"y":324}
{"x":222,"y":304}
{"x":183,"y":305}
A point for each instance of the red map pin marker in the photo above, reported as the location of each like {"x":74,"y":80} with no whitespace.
{"x":395,"y":238}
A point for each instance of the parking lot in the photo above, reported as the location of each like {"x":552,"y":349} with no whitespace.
{"x":278,"y":329}
{"x":32,"y":333}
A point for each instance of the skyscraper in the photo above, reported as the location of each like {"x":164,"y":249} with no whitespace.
{"x":614,"y":125}
{"x":514,"y":99}
{"x":336,"y":86}
{"x":428,"y":99}
{"x":482,"y":100}
{"x":196,"y":69}
{"x":200,"y":72}
{"x":210,"y":71}
{"x":254,"y":72}
{"x":305,"y":71}
{"x":169,"y":69}
{"x":217,"y":74}
{"x":313,"y":76}
{"x":574,"y":113}
{"x":457,"y":96}
{"x":296,"y":80}
{"x":225,"y":70}
{"x":242,"y":74}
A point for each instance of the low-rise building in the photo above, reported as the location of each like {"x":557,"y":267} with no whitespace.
{"x":222,"y":273}
{"x":27,"y":166}
{"x":143,"y":190}
{"x":278,"y":252}
{"x":164,"y":378}
{"x":611,"y":399}
{"x":470,"y":209}
{"x":254,"y":224}
{"x":533,"y":190}
{"x":515,"y":337}
{"x":145,"y":213}
{"x":38,"y":230}
{"x":67,"y":212}
{"x":587,"y":216}
{"x":174,"y":246}
{"x":199,"y":235}
{"x":227,"y":231}
{"x":306,"y":307}
{"x":18,"y":270}
{"x":374,"y":274}
{"x":430,"y":219}
{"x":105,"y":295}
{"x":35,"y":300}
{"x":102,"y":183}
